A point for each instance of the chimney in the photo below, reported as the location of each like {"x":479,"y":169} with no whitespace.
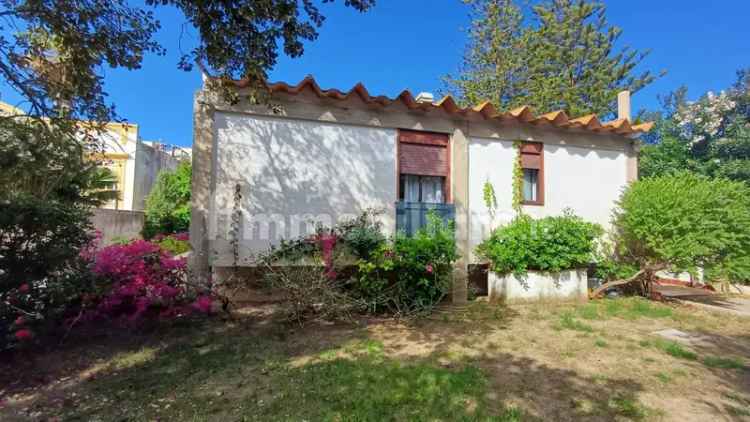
{"x":623,"y":105}
{"x":425,"y":97}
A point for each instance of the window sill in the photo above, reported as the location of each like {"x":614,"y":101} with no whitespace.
{"x":533,"y":203}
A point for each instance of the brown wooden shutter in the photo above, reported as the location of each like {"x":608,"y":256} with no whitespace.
{"x":529,"y":161}
{"x":531,"y":155}
{"x":423,"y":153}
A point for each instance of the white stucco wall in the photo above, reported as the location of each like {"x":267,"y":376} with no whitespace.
{"x":293,"y":171}
{"x":586,"y":180}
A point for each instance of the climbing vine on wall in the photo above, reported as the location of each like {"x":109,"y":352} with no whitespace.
{"x":235,"y":226}
{"x":517,"y":179}
{"x":489,"y":198}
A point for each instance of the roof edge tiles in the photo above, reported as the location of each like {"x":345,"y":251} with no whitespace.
{"x":522,"y":114}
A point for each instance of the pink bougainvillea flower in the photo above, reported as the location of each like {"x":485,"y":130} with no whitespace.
{"x":24,"y":288}
{"x":184,"y":236}
{"x":428,"y":268}
{"x":19,"y":321}
{"x":327,"y":243}
{"x":24,"y":334}
{"x":203,"y":304}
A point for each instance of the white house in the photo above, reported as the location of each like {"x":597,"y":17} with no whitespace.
{"x":325,"y":155}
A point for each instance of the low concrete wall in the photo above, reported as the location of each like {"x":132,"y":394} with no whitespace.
{"x":567,"y":285}
{"x":117,"y":224}
{"x":740,"y":289}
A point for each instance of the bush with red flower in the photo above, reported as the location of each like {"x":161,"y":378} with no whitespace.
{"x":363,"y":271}
{"x":123,"y":283}
{"x":142,"y":280}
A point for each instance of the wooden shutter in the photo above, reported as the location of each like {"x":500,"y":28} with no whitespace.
{"x":531,"y":155}
{"x":423,"y":153}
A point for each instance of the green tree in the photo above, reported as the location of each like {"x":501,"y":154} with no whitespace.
{"x":53,"y":53}
{"x":681,"y":222}
{"x":559,"y":56}
{"x":168,"y":203}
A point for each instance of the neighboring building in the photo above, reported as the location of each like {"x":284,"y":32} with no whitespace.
{"x":136,"y":163}
{"x":328,"y":155}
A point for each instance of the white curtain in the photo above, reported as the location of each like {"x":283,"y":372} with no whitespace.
{"x":411,"y":188}
{"x":432,"y":190}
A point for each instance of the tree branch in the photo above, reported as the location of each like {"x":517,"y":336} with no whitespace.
{"x":648,"y":270}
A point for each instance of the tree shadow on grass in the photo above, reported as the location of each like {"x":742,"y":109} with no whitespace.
{"x":328,"y":372}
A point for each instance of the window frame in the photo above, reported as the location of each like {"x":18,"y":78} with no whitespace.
{"x":533,"y":149}
{"x":409,"y":136}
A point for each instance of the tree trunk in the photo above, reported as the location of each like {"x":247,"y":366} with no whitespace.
{"x":645,"y":276}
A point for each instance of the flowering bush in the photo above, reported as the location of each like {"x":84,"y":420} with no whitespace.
{"x":126,"y":283}
{"x":141,"y":280}
{"x":706,"y":118}
{"x":404,"y":276}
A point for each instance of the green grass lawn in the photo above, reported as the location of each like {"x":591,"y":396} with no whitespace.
{"x":596,"y":361}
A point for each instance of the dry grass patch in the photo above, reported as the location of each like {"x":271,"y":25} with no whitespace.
{"x":593,"y":361}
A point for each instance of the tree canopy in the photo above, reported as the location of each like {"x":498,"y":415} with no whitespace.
{"x":683,"y":221}
{"x":168,"y":203}
{"x":53,"y":54}
{"x":557,"y":55}
{"x":708,"y":136}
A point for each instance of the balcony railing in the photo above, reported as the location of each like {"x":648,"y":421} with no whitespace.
{"x":411,"y":216}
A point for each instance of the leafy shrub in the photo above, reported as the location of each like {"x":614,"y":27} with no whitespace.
{"x":175,"y":244}
{"x":550,"y":244}
{"x":168,"y":203}
{"x":41,"y":272}
{"x":682,"y":221}
{"x":362,"y":236}
{"x":39,"y":238}
{"x":413,"y":273}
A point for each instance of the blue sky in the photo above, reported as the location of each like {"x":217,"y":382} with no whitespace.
{"x":412,"y":43}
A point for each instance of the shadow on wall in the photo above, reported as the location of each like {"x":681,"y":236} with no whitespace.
{"x":293,"y":171}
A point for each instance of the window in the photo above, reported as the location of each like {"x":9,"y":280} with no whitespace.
{"x":415,"y":188}
{"x":532,"y":163}
{"x":423,"y":167}
{"x":530,"y":185}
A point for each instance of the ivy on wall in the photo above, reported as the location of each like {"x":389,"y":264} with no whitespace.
{"x":490,"y":200}
{"x":517,"y":179}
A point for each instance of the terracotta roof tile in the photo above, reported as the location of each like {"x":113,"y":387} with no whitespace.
{"x":522,"y":114}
